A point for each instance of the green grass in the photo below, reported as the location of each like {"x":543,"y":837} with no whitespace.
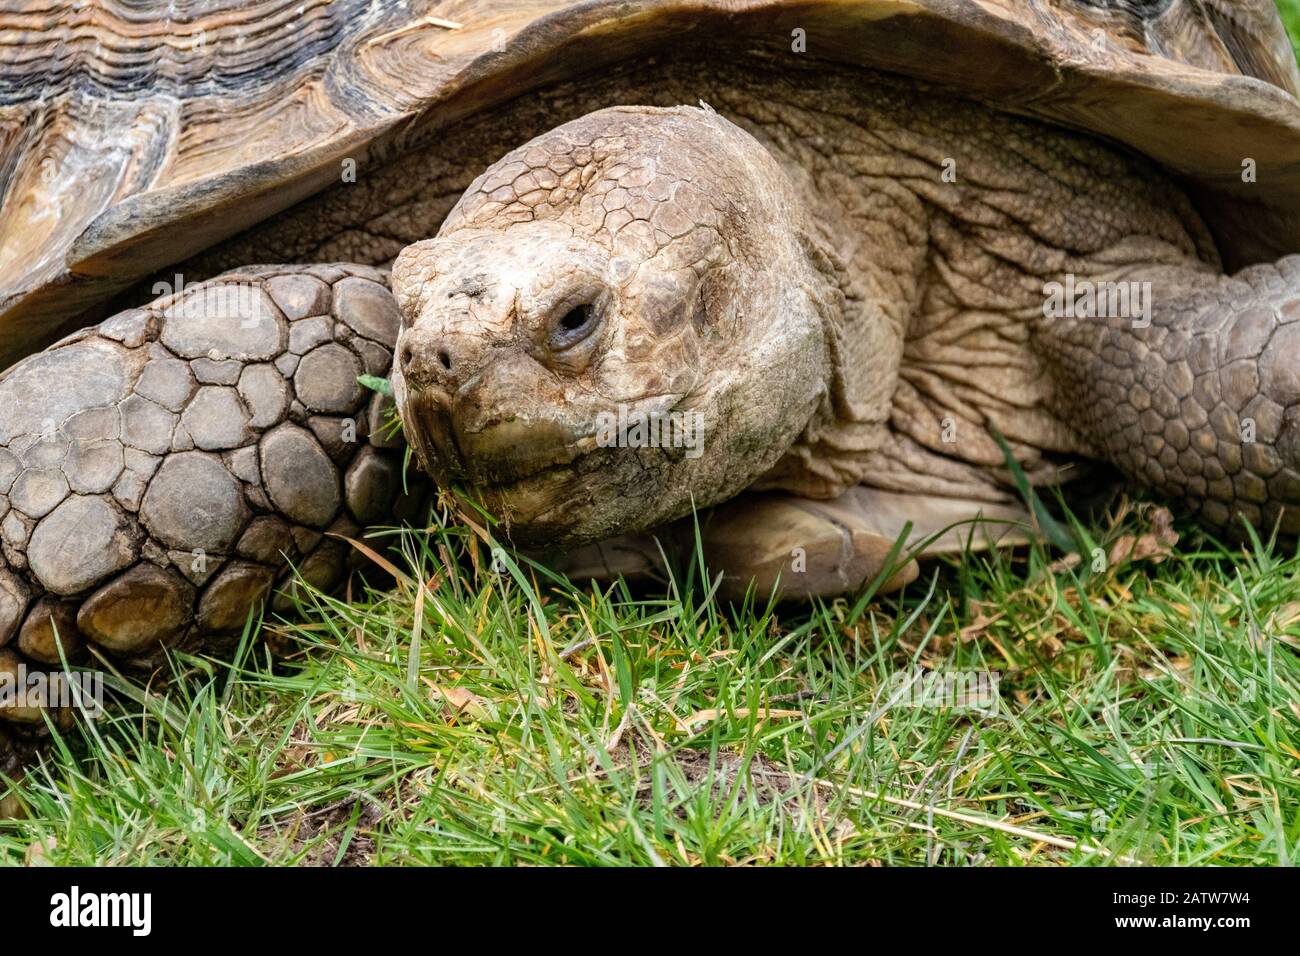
{"x":1290,"y":10}
{"x":1148,"y":713}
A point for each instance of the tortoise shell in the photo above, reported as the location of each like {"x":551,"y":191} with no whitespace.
{"x":134,"y":137}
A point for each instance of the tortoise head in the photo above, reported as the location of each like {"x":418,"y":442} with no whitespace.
{"x":622,"y":318}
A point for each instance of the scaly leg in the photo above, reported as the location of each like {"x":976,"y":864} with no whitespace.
{"x":160,"y":472}
{"x":1203,"y":402}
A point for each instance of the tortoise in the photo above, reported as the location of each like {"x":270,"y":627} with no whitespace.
{"x":819,"y":267}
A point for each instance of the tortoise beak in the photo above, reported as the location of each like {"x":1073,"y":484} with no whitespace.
{"x":489,"y":418}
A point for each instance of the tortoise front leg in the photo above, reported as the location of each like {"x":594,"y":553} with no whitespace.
{"x":801,"y":548}
{"x":807,"y":548}
{"x":1197,"y":395}
{"x":160,"y":472}
{"x":797,"y":547}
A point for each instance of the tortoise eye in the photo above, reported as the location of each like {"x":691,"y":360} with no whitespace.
{"x":573,"y":326}
{"x":575,"y":319}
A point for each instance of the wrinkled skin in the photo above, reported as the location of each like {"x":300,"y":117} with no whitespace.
{"x":840,"y":313}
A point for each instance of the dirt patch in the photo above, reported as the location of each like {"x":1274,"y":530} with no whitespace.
{"x":735,"y":778}
{"x":322,"y":833}
{"x":732,"y":776}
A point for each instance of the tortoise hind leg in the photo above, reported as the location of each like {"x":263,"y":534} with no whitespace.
{"x":1199,"y":397}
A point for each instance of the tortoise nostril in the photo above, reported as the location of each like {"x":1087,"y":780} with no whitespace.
{"x":436,"y":358}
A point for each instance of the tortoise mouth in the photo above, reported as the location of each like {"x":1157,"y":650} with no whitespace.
{"x":551,"y":506}
{"x":549,"y":480}
{"x":495,"y":455}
